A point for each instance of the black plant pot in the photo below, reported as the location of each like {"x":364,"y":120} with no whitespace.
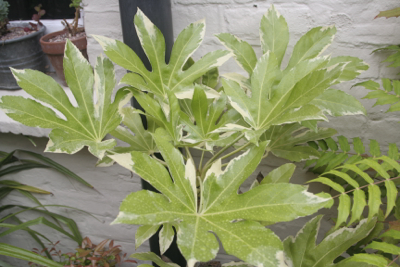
{"x":159,"y":12}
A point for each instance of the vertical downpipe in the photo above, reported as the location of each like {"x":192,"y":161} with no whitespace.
{"x":159,"y":12}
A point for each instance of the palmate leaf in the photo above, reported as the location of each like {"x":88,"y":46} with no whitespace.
{"x":232,"y":217}
{"x":84,"y":125}
{"x":288,"y":141}
{"x":298,"y":93}
{"x":359,"y":197}
{"x":163,"y":77}
{"x":208,"y":117}
{"x":304,"y":252}
{"x":164,"y":115}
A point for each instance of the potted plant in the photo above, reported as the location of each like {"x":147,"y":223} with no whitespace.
{"x":53,"y":44}
{"x":19,"y":46}
{"x":274,"y":109}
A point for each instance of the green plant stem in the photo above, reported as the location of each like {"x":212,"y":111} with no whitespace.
{"x":210,"y":161}
{"x":159,"y":160}
{"x":265,"y":155}
{"x":235,"y":151}
{"x":201,"y":159}
{"x":394,"y":178}
{"x":189,"y":155}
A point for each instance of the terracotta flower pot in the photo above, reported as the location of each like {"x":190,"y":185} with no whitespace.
{"x":55,"y":51}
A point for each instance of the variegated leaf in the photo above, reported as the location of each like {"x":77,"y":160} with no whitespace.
{"x":232,"y":217}
{"x":163,"y":77}
{"x":304,"y":252}
{"x":73,"y":126}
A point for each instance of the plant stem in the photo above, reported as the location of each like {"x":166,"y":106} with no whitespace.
{"x":265,"y":155}
{"x":394,"y":178}
{"x":160,"y":161}
{"x":235,"y":151}
{"x":393,"y":261}
{"x":210,"y":161}
{"x":188,"y":154}
{"x":201,"y":159}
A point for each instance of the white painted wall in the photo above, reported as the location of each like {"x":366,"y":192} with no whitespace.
{"x":358,"y":34}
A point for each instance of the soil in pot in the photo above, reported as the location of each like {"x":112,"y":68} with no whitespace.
{"x":53,"y":44}
{"x":16,"y":32}
{"x":23,"y":51}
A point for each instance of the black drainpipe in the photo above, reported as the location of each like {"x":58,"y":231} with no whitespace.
{"x":159,"y":12}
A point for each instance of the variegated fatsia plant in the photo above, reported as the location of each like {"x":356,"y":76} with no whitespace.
{"x":274,"y":109}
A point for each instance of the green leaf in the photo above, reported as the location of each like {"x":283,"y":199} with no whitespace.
{"x":391,"y":195}
{"x":338,"y":103}
{"x":210,"y":78}
{"x":358,"y":146}
{"x":303,"y":251}
{"x":135,"y":135}
{"x":232,"y":217}
{"x":393,"y":152}
{"x":23,"y":254}
{"x":56,"y":166}
{"x":385,"y":247}
{"x":288,"y":101}
{"x":274,"y":33}
{"x":243,"y":52}
{"x":343,"y":210}
{"x":163,"y":78}
{"x":354,"y":66}
{"x":144,"y":232}
{"x":329,"y":183}
{"x":361,"y":259}
{"x":343,"y":143}
{"x":287,"y":141}
{"x":374,"y":148}
{"x":84,"y":125}
{"x":392,"y":233}
{"x":17,"y":185}
{"x":312,"y":44}
{"x":210,"y":116}
{"x":359,"y":204}
{"x":331,"y":144}
{"x":166,"y":237}
{"x":150,"y":256}
{"x":281,"y":174}
{"x":395,"y":12}
{"x":370,"y":85}
{"x":374,"y":200}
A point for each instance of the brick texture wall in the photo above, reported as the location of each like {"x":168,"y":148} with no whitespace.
{"x":357,"y":35}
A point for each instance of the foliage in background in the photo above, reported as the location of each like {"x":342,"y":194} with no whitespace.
{"x":11,"y":164}
{"x":3,"y":16}
{"x":73,"y":28}
{"x":361,"y":178}
{"x":87,"y":254}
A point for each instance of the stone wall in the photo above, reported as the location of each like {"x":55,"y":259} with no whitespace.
{"x":357,"y":35}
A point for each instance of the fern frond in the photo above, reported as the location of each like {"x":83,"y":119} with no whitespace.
{"x":335,"y":153}
{"x":388,"y":95}
{"x":369,"y":176}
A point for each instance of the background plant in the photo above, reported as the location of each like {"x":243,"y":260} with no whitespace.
{"x":3,"y":16}
{"x":88,"y":254}
{"x":10,"y":222}
{"x":73,"y":27}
